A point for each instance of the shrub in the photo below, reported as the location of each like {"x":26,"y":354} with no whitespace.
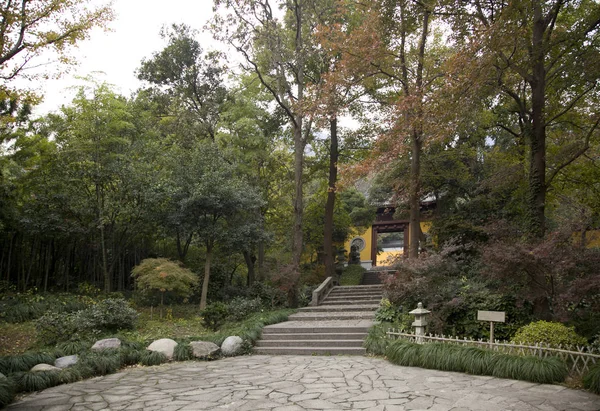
{"x":352,"y":275}
{"x":376,"y":341}
{"x":449,"y":357}
{"x":551,"y":333}
{"x":35,"y":381}
{"x":103,"y":362}
{"x":159,"y":275}
{"x":270,"y":296}
{"x":388,"y":312}
{"x":7,"y":392}
{"x":130,"y":356}
{"x":240,"y":308}
{"x":149,"y":358}
{"x":72,"y":347}
{"x":591,"y":380}
{"x":54,"y":327}
{"x":214,"y":315}
{"x":182,"y":352}
{"x":24,"y":362}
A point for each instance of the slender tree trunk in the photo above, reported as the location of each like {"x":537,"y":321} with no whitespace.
{"x":209,"y":248}
{"x":330,"y":205}
{"x":416,"y":147}
{"x":537,"y":170}
{"x":261,"y":261}
{"x":249,"y":259}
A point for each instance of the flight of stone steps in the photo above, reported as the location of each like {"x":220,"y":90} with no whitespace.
{"x":338,"y":325}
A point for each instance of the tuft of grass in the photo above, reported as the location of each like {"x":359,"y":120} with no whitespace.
{"x":35,"y":381}
{"x":591,"y":380}
{"x":7,"y":392}
{"x":182,"y":352}
{"x":24,"y":362}
{"x":72,"y":347}
{"x":152,"y":358}
{"x":69,"y":375}
{"x":102,"y":363}
{"x":448,"y":357}
{"x":376,"y":342}
{"x":130,"y":356}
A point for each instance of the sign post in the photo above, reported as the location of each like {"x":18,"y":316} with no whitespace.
{"x":492,"y":317}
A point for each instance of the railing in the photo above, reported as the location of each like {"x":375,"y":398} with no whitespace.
{"x":321,"y":292}
{"x":579,"y":359}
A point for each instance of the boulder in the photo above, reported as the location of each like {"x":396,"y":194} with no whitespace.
{"x":106,"y":344}
{"x":165,"y":346}
{"x":232,"y":345}
{"x":204,"y":349}
{"x":64,"y":362}
{"x":44,"y":367}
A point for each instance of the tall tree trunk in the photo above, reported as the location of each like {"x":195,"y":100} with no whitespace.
{"x":537,"y":170}
{"x":416,"y":147}
{"x":182,"y":249}
{"x":261,"y":261}
{"x":249,"y":258}
{"x":330,"y":204}
{"x":209,"y":250}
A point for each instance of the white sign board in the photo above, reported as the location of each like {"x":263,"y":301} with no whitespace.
{"x":492,"y":316}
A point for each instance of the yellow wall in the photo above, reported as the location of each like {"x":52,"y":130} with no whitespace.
{"x":367,"y":235}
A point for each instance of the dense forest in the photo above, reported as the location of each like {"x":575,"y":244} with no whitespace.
{"x":257,"y":164}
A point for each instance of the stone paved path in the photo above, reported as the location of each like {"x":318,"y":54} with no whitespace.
{"x":287,"y":383}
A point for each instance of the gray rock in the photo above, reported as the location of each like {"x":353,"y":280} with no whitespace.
{"x":165,"y":346}
{"x":232,"y":345}
{"x":44,"y":367}
{"x":64,"y":362}
{"x":204,"y":349}
{"x":106,"y":343}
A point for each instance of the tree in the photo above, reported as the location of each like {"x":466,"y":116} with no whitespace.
{"x":187,"y":85}
{"x":532,"y":56}
{"x":30,"y":28}
{"x":206,"y":194}
{"x":162,"y":275}
{"x":278,"y":51}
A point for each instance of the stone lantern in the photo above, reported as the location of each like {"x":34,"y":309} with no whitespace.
{"x":420,"y":321}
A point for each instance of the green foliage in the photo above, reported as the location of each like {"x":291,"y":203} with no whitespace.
{"x":160,"y":275}
{"x":240,"y":308}
{"x":182,"y":352}
{"x":18,"y":308}
{"x":73,"y":347}
{"x":450,"y":357}
{"x":150,"y":358}
{"x":214,"y":315}
{"x":591,"y":380}
{"x":7,"y":392}
{"x":352,"y":275}
{"x":35,"y":380}
{"x":70,"y":375}
{"x":376,"y":342}
{"x":24,"y":362}
{"x":388,"y":312}
{"x":551,"y":333}
{"x":110,"y":314}
{"x":102,"y":362}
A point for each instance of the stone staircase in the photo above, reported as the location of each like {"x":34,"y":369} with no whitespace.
{"x":337,"y":326}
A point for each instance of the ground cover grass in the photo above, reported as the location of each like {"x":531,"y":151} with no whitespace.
{"x":17,"y":338}
{"x":352,"y":275}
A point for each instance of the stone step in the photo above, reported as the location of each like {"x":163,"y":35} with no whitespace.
{"x":351,"y":302}
{"x":309,"y":351}
{"x":350,"y":294}
{"x":314,"y":329}
{"x":318,"y":316}
{"x":341,"y":308}
{"x":313,"y":336}
{"x":353,"y":298}
{"x":358,"y":287}
{"x":310,"y":343}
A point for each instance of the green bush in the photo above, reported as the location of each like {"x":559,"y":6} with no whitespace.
{"x":214,"y":315}
{"x":108,"y":315}
{"x":35,"y":381}
{"x":182,"y":352}
{"x":551,"y":333}
{"x":7,"y":392}
{"x":352,"y":275}
{"x":449,"y":357}
{"x":159,"y":275}
{"x":376,"y":341}
{"x":24,"y":362}
{"x":102,"y":362}
{"x":149,"y":358}
{"x":591,"y":380}
{"x":130,"y":355}
{"x":72,"y":347}
{"x":240,"y":308}
{"x":18,"y":308}
{"x":388,"y":312}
